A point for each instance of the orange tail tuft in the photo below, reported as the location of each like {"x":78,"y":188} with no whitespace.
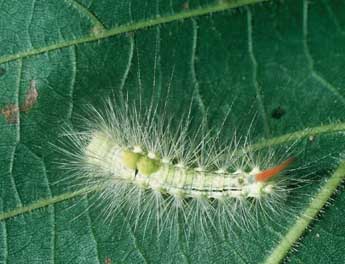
{"x":269,"y":173}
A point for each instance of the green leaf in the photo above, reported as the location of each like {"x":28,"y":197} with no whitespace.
{"x":281,"y":61}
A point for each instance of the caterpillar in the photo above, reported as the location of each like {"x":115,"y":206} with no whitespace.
{"x":168,"y":169}
{"x":144,"y":162}
{"x":148,"y":170}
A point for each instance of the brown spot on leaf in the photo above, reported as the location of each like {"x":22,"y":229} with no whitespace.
{"x":11,"y":111}
{"x":30,"y":97}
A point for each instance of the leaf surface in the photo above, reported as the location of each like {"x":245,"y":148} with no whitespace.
{"x":279,"y":61}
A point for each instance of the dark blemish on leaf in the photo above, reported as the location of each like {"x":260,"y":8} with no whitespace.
{"x":11,"y":111}
{"x":2,"y":72}
{"x":107,"y":261}
{"x":278,"y":112}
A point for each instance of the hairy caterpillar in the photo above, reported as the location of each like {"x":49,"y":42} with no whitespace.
{"x":170,"y":169}
{"x":155,"y":169}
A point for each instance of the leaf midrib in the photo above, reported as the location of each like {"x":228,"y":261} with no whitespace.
{"x":130,"y":27}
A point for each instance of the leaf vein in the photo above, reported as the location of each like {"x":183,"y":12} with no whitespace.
{"x":73,"y":59}
{"x":30,"y":21}
{"x":193,"y":73}
{"x":310,"y":59}
{"x":333,"y":17}
{"x":220,"y":6}
{"x":309,"y":214}
{"x":255,"y":73}
{"x":87,"y":13}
